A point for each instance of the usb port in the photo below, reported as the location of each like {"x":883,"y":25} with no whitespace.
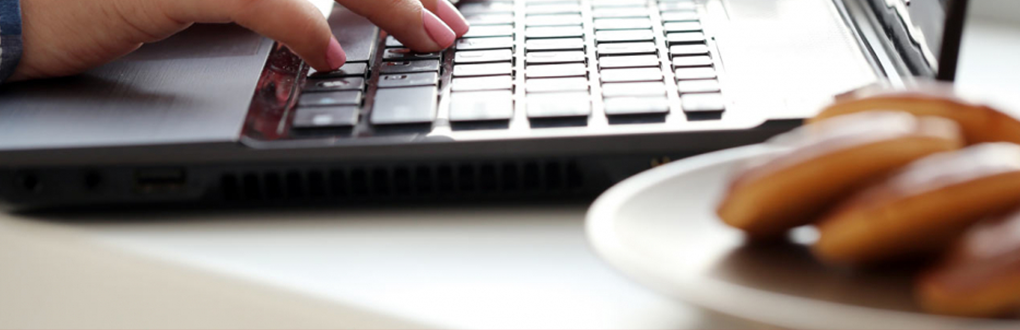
{"x":160,"y":180}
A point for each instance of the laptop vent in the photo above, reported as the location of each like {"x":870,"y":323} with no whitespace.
{"x":382,"y":182}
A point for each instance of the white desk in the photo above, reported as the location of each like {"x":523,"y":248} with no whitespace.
{"x":505,"y":267}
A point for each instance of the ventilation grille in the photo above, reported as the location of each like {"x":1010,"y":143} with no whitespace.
{"x":375,"y":182}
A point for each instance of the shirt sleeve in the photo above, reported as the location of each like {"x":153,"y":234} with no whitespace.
{"x":10,"y":37}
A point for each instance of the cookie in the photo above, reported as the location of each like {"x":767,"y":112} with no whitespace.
{"x":980,"y":275}
{"x":923,"y":207}
{"x":979,"y":123}
{"x":818,"y":164}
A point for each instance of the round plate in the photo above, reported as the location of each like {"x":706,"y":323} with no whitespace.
{"x":660,"y":228}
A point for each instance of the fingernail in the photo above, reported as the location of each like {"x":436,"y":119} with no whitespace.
{"x":437,"y":30}
{"x":452,"y":17}
{"x":335,"y":55}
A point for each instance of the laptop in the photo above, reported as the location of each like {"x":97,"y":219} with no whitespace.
{"x":542,"y":99}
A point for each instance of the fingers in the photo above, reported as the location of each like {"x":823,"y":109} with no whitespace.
{"x":449,"y":14}
{"x":295,"y":23}
{"x":407,"y":20}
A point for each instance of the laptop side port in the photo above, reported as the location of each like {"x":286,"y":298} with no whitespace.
{"x":160,"y":180}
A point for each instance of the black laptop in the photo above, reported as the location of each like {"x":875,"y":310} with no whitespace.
{"x":542,"y":99}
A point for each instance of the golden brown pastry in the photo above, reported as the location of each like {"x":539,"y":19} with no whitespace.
{"x":979,"y":123}
{"x":980,"y":276}
{"x":824,"y":161}
{"x":923,"y":207}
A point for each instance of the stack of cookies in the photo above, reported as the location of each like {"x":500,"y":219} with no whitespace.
{"x":892,"y":175}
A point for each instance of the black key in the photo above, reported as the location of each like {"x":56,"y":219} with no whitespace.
{"x":331,"y":98}
{"x":490,"y":31}
{"x":703,"y":102}
{"x":482,"y":83}
{"x":357,"y":34}
{"x":622,"y":106}
{"x":335,"y":84}
{"x":326,"y":117}
{"x":631,"y":75}
{"x":485,"y":43}
{"x":624,"y":36}
{"x":685,"y":38}
{"x":695,"y":73}
{"x":554,"y":44}
{"x":691,"y":61}
{"x":409,"y":66}
{"x":622,"y":24}
{"x":348,"y":70}
{"x":556,"y":70}
{"x":627,"y":48}
{"x":483,"y":56}
{"x":555,"y":57}
{"x":686,"y":50}
{"x":558,"y":105}
{"x":409,"y":80}
{"x":554,"y":32}
{"x":488,"y":69}
{"x":682,"y":27}
{"x":680,"y":16}
{"x":633,"y":89}
{"x":404,"y":54}
{"x":698,"y":86}
{"x":396,"y":106}
{"x":638,"y":61}
{"x":481,"y":106}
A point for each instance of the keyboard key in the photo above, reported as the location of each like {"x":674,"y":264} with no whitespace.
{"x":633,"y":89}
{"x":409,"y":66}
{"x":553,"y":20}
{"x":695,"y":73}
{"x":490,"y":31}
{"x":348,"y":70}
{"x":608,"y":62}
{"x":358,"y":35}
{"x":551,"y":9}
{"x":326,"y":117}
{"x":624,"y":36}
{"x":677,"y":6}
{"x":485,"y":43}
{"x":409,"y":80}
{"x":482,"y":83}
{"x":556,"y":70}
{"x":489,"y":19}
{"x":623,"y":106}
{"x":474,"y":70}
{"x":483,"y":56}
{"x":395,"y":106}
{"x":335,"y":84}
{"x":680,"y":16}
{"x":392,"y":42}
{"x":627,"y":48}
{"x":630,"y":12}
{"x":554,"y":44}
{"x":686,"y":50}
{"x":691,"y":61}
{"x":485,"y":7}
{"x":622,"y":24}
{"x":558,"y":105}
{"x":682,"y":27}
{"x":481,"y":106}
{"x":703,"y":102}
{"x":546,"y":85}
{"x":698,"y":86}
{"x":555,"y":57}
{"x":331,"y":98}
{"x":554,"y":32}
{"x":685,"y":38}
{"x":404,"y":54}
{"x":618,"y":3}
{"x":631,"y":75}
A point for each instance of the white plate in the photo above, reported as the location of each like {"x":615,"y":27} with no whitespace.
{"x":660,"y":228}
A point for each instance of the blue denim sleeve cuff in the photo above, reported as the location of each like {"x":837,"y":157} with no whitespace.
{"x":10,"y":37}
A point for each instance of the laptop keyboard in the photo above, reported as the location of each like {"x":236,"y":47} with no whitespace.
{"x":530,"y":63}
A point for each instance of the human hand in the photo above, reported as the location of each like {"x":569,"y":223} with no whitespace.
{"x":65,"y":37}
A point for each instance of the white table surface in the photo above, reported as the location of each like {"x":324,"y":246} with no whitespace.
{"x":477,"y":267}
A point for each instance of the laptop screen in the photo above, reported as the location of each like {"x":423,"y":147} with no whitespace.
{"x":926,"y":32}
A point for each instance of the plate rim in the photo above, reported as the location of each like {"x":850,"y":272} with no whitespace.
{"x":600,"y":224}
